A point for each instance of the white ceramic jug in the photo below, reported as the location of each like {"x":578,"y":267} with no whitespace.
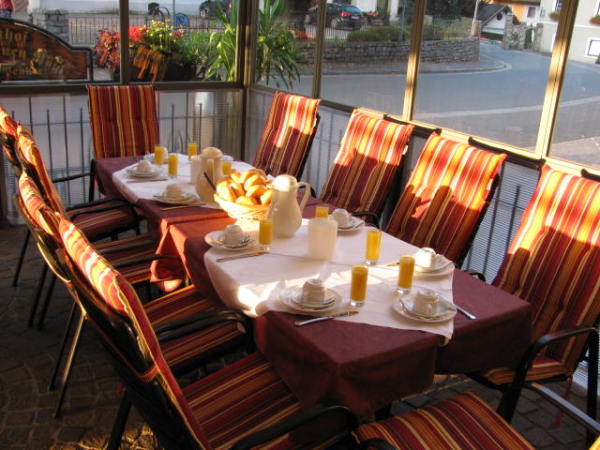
{"x":210,"y":163}
{"x":285,"y":212}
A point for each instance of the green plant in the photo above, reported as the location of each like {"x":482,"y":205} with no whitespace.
{"x":554,"y":15}
{"x":595,"y":20}
{"x":276,"y":47}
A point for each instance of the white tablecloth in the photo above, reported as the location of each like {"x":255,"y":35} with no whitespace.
{"x":254,"y":284}
{"x":135,"y":188}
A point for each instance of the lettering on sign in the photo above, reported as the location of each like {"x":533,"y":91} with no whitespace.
{"x":28,"y":52}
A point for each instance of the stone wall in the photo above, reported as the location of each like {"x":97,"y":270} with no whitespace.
{"x":459,"y":50}
{"x":55,"y":21}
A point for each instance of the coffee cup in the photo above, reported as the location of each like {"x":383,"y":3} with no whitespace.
{"x":425,"y":302}
{"x":341,"y":216}
{"x":173,"y":191}
{"x":425,"y":257}
{"x":233,"y":235}
{"x":313,"y":292}
{"x":144,"y":166}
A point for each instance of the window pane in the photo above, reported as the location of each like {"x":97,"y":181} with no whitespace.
{"x":483,"y":86}
{"x":365,"y":54}
{"x":577,"y":136}
{"x":285,"y":48}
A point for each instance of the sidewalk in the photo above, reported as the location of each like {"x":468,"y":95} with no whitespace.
{"x":27,"y":358}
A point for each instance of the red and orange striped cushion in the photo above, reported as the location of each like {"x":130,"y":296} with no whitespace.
{"x":554,"y":259}
{"x":445,"y":196}
{"x":459,"y":423}
{"x":93,"y":224}
{"x":365,"y":166}
{"x":123,"y":120}
{"x":8,"y":125}
{"x":287,"y":135}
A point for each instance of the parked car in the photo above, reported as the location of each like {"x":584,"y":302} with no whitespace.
{"x":209,"y":8}
{"x":338,"y":16}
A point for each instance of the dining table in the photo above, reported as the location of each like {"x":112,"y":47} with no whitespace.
{"x":364,"y":361}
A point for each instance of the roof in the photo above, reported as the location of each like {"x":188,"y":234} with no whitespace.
{"x":486,"y":12}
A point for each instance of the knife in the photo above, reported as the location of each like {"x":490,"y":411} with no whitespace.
{"x":299,"y":323}
{"x":466,"y":313}
{"x":146,"y":181}
{"x":245,"y":255}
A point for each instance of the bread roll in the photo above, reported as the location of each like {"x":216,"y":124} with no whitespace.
{"x":245,"y":200}
{"x":265,"y":199}
{"x":224,"y":190}
{"x":235,"y":175}
{"x":256,"y":191}
{"x":238,"y":189}
{"x":254,"y":180}
{"x":248,"y":173}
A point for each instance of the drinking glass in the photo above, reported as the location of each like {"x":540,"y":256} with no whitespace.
{"x":265,"y":234}
{"x":159,"y":155}
{"x":173,"y":162}
{"x":322,"y":211}
{"x":358,"y":286}
{"x":226,"y":162}
{"x":406,"y":270}
{"x":192,"y":150}
{"x":373,"y":246}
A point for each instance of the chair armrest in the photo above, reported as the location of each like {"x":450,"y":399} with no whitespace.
{"x":370,"y":215}
{"x":476,"y":274}
{"x":508,"y":403}
{"x":377,"y":444}
{"x":182,"y":327}
{"x":292,"y":425}
{"x":71,"y":177}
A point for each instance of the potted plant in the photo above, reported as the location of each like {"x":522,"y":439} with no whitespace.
{"x":595,"y":20}
{"x":554,"y":15}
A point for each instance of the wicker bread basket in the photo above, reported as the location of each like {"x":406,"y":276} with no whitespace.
{"x":236,"y":211}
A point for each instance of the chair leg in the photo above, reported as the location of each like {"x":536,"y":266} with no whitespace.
{"x":46,"y":303}
{"x":15,"y":280}
{"x":37,"y":295}
{"x":63,"y":346}
{"x":69,"y":365}
{"x":119,"y":425}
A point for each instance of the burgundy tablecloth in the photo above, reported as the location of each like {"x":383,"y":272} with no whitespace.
{"x":362,"y":366}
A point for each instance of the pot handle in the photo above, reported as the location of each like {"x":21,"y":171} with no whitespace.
{"x":306,"y":194}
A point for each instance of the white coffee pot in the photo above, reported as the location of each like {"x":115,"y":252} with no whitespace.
{"x":285,"y":212}
{"x":209,"y":163}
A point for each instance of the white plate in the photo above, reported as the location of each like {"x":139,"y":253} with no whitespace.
{"x":353,"y":224}
{"x":215,"y":239}
{"x":444,"y":271}
{"x":184,"y":199}
{"x":440,"y":264}
{"x":134,"y":172}
{"x":149,"y":157}
{"x":403,"y":305}
{"x":290,"y":297}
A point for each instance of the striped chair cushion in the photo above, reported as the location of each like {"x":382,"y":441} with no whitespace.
{"x":287,"y":135}
{"x":37,"y":211}
{"x":554,"y":260}
{"x":243,"y":398}
{"x":8,"y":125}
{"x":123,"y":120}
{"x":94,"y":224}
{"x":460,"y":423}
{"x":445,"y":196}
{"x":543,"y":368}
{"x":365,"y":166}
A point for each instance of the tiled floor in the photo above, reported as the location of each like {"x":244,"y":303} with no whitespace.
{"x":27,"y":357}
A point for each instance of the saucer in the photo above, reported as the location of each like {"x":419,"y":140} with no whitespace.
{"x":291,"y":295}
{"x":135,"y":173}
{"x":354,"y":223}
{"x":445,"y":309}
{"x":183,"y":199}
{"x":440,"y":264}
{"x":215,"y":239}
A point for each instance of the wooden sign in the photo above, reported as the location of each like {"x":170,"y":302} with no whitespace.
{"x":28,"y":52}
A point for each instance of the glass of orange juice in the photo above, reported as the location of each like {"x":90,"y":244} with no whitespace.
{"x":265,"y":234}
{"x":192,"y":150}
{"x":173,"y":162}
{"x":406,"y":270}
{"x":226,"y":162}
{"x":373,"y":246}
{"x":358,"y":286}
{"x":159,"y":155}
{"x":322,"y":211}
